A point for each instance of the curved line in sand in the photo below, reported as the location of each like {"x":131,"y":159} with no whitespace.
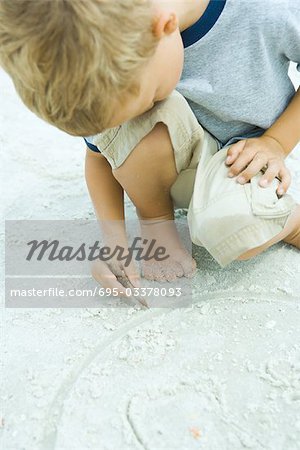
{"x":55,"y":410}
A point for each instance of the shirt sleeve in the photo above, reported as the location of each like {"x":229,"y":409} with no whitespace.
{"x":91,"y":146}
{"x":291,"y":32}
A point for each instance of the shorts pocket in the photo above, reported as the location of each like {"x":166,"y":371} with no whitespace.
{"x":265,"y":201}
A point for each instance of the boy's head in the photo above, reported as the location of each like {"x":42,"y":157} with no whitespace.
{"x":88,"y":65}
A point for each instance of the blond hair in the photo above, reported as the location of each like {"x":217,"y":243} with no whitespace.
{"x":71,"y":59}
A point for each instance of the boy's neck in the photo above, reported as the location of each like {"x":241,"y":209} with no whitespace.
{"x":188,"y":11}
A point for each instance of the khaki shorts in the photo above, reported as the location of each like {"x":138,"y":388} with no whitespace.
{"x":225,"y":217}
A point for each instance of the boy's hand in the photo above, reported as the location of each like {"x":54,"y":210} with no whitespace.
{"x":248,"y":157}
{"x":107,"y":275}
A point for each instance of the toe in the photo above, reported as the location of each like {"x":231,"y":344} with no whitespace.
{"x":178,"y":269}
{"x":148,"y":271}
{"x":189,"y":267}
{"x":170,"y":272}
{"x":157,"y":272}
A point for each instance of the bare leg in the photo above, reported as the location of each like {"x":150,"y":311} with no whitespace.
{"x":147,"y":176}
{"x":290,"y":234}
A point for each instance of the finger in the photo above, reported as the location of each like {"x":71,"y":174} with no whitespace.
{"x":111,"y":282}
{"x":286,"y":179}
{"x":132,"y":274}
{"x":100,"y":271}
{"x":243,"y":160}
{"x":234,"y":151}
{"x":253,"y":168}
{"x":269,"y":175}
{"x":103,"y":275}
{"x":115,"y":267}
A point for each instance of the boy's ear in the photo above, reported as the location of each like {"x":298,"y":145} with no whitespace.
{"x":164,"y":23}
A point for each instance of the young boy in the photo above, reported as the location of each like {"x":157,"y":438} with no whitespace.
{"x":216,"y":145}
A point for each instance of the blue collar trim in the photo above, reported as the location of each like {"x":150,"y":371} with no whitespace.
{"x":204,"y":24}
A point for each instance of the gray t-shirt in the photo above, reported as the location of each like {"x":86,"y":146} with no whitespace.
{"x":235,"y":78}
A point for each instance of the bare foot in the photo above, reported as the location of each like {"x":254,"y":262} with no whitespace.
{"x":179,"y":262}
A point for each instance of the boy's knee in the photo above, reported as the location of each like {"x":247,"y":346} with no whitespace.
{"x":158,"y":140}
{"x":153,"y":156}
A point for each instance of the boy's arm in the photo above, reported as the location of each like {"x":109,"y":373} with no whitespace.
{"x":108,"y":199}
{"x":105,"y":191}
{"x":248,"y":157}
{"x":286,"y":129}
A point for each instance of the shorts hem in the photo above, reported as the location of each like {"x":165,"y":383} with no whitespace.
{"x":246,"y":239}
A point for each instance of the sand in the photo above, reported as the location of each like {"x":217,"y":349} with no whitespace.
{"x":222,"y":373}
